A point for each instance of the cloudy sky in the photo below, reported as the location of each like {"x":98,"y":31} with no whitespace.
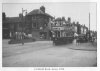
{"x":77,"y":11}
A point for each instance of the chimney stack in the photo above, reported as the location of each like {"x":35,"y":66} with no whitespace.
{"x":3,"y":16}
{"x":69,"y":20}
{"x":42,"y":8}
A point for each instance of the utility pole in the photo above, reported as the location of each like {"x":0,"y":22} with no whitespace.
{"x":89,"y":26}
{"x":23,"y":25}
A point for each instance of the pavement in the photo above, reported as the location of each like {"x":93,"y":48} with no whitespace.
{"x":45,"y":54}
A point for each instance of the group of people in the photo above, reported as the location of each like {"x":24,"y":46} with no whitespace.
{"x":20,"y":35}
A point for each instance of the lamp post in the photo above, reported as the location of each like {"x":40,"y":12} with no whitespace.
{"x":89,"y":26}
{"x":23,"y":24}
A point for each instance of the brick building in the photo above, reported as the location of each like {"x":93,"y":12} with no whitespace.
{"x":62,"y":28}
{"x":11,"y":25}
{"x":37,"y":22}
{"x":40,"y":24}
{"x":5,"y":27}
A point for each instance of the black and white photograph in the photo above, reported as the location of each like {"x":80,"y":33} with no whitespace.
{"x":49,"y":34}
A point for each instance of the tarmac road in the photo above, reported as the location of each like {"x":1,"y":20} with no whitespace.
{"x":44,"y":54}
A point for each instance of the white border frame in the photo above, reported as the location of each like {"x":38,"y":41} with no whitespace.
{"x":65,"y":68}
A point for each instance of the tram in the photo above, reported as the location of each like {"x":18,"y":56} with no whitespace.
{"x":62,"y":35}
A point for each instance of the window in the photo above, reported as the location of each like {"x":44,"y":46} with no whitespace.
{"x":34,"y":25}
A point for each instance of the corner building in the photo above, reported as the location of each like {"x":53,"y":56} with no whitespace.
{"x":37,"y":23}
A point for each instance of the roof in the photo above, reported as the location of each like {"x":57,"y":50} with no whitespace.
{"x":38,"y":11}
{"x":35,"y":11}
{"x":58,"y":19}
{"x":12,"y":19}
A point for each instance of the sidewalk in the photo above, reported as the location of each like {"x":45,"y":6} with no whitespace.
{"x":83,"y":46}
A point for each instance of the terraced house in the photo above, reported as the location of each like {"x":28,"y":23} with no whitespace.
{"x":40,"y":25}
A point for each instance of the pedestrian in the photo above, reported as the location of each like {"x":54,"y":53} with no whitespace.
{"x":53,"y":38}
{"x":77,"y":40}
{"x":22,"y":38}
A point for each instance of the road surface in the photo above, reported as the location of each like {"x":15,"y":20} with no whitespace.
{"x":44,"y":54}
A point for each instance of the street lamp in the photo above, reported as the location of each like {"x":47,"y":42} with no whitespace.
{"x":89,"y":27}
{"x":23,"y":24}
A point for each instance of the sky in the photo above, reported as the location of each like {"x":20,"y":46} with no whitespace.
{"x":78,"y":11}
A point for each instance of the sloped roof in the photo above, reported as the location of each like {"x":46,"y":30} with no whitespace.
{"x":38,"y":11}
{"x":35,"y":11}
{"x":58,"y":19}
{"x":12,"y":19}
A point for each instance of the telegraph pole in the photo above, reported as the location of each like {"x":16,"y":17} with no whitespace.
{"x":22,"y":27}
{"x":23,"y":24}
{"x":89,"y":26}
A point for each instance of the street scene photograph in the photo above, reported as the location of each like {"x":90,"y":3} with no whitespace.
{"x":59,"y":34}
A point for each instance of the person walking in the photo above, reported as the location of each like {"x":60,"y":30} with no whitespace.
{"x":77,"y":40}
{"x":53,"y":38}
{"x":22,"y":38}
